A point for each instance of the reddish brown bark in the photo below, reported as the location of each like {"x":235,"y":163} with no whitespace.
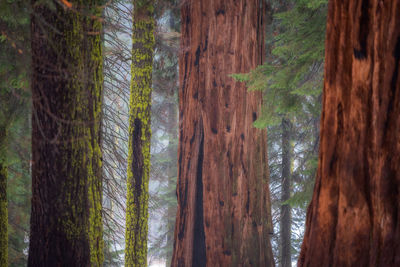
{"x":353,"y":219}
{"x":223,"y":216}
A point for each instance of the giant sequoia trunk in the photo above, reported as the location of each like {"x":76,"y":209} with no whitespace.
{"x":139,"y":134}
{"x":66,"y":221}
{"x":223,"y":216}
{"x":353,"y":219}
{"x":285,"y":220}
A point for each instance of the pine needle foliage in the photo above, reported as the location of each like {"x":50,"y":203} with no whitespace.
{"x":291,"y":78}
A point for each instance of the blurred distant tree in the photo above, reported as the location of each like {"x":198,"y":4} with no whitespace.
{"x":14,"y":108}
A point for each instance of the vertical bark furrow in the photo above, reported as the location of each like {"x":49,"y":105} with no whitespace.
{"x":361,"y":51}
{"x":199,"y":248}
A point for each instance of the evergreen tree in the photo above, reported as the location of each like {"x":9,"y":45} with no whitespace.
{"x":291,"y":80}
{"x":14,"y":64}
{"x":67,"y":82}
{"x":165,"y":140}
{"x":139,"y":134}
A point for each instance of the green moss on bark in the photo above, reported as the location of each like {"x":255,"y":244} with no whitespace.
{"x":139,"y":135}
{"x":75,"y":92}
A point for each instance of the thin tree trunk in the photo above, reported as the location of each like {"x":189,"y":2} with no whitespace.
{"x":353,"y":219}
{"x":3,"y":199}
{"x":223,"y":216}
{"x":285,"y":221}
{"x":171,"y":212}
{"x":67,"y":77}
{"x":139,"y":134}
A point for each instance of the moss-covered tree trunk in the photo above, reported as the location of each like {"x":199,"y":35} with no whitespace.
{"x":139,"y":134}
{"x":286,"y":220}
{"x":3,"y":199}
{"x":223,"y":216}
{"x":353,"y":219}
{"x":67,"y":82}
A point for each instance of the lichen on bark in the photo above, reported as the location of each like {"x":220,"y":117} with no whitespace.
{"x":67,"y":82}
{"x":139,"y":134}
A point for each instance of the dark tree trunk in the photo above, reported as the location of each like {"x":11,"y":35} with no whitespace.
{"x":353,"y":219}
{"x":172,"y":172}
{"x":66,"y":221}
{"x":223,"y":216}
{"x":285,"y":227}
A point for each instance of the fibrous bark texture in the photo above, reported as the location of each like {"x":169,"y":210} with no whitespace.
{"x":66,"y":220}
{"x":139,"y":134}
{"x":285,"y":220}
{"x":223,"y":216}
{"x":353,"y":219}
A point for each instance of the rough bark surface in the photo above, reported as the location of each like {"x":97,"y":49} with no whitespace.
{"x":66,"y":221}
{"x":139,"y":134}
{"x":353,"y":219}
{"x":285,"y":220}
{"x":223,"y":216}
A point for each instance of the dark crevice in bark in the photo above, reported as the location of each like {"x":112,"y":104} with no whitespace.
{"x":361,"y":52}
{"x":248,"y":201}
{"x":137,"y":162}
{"x":393,"y":85}
{"x":396,"y":55}
{"x":367,"y":176}
{"x":185,"y":67}
{"x":196,"y":62}
{"x":181,"y":233}
{"x":205,"y":44}
{"x":254,"y":116}
{"x":220,"y":11}
{"x":339,"y":130}
{"x":199,"y":243}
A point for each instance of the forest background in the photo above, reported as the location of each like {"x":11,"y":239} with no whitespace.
{"x":291,"y":80}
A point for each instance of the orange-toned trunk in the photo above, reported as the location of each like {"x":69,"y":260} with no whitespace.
{"x":223,"y":216}
{"x":354,"y":218}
